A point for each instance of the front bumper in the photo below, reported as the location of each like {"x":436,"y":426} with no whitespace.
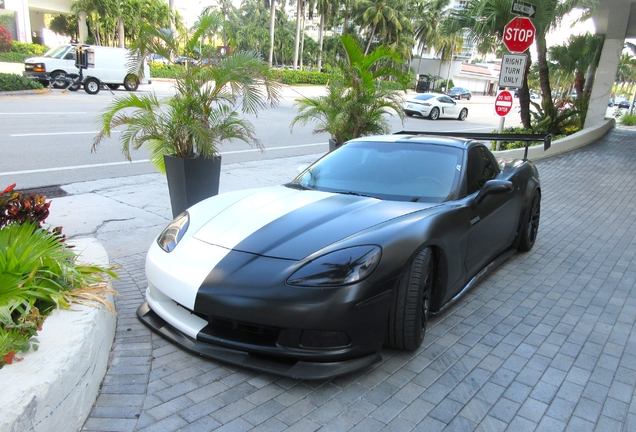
{"x":40,"y":76}
{"x":243,"y":305}
{"x":286,"y":367}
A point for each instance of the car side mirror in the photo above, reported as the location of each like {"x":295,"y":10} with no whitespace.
{"x":494,"y":187}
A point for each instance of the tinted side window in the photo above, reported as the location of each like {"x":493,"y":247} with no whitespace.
{"x":479,"y":170}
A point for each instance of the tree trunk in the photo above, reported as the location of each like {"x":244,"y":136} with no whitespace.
{"x":120,"y":31}
{"x":320,"y":40}
{"x":524,"y":98}
{"x":366,"y":51}
{"x":272,"y":24}
{"x":297,"y":42}
{"x":544,"y":72}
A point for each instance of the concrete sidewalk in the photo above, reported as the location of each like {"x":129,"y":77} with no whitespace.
{"x":547,"y":342}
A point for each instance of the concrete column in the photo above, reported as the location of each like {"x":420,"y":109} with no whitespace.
{"x":22,"y":19}
{"x":83,"y":28}
{"x":613,"y":23}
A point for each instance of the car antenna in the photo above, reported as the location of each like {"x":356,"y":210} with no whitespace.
{"x":546,"y":138}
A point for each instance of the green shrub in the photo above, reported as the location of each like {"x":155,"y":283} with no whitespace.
{"x":38,"y":273}
{"x":13,"y":57}
{"x":160,"y":70}
{"x":14,"y":82}
{"x":509,"y":145}
{"x":292,"y":77}
{"x":29,"y":49}
{"x":628,"y":119}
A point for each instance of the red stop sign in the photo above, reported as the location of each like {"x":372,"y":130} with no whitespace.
{"x":503,"y":103}
{"x":519,"y":34}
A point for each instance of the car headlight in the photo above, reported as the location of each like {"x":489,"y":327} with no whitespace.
{"x":342,"y":267}
{"x":172,"y":234}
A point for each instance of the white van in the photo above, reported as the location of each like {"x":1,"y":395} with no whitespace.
{"x":109,"y":67}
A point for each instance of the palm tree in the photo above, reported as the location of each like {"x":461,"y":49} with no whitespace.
{"x":203,"y":111}
{"x":326,"y":9}
{"x":272,"y":26}
{"x":355,"y":105}
{"x":487,"y":19}
{"x":576,"y":57}
{"x":447,"y":46}
{"x":384,"y":15}
{"x":428,"y":25}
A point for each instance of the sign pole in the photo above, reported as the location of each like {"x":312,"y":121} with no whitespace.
{"x":502,"y":121}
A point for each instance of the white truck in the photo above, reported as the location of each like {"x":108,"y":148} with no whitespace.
{"x":110,"y":67}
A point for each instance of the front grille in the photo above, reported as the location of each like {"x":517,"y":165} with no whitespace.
{"x":246,"y":333}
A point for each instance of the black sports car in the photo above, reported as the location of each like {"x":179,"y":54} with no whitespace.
{"x":310,"y":279}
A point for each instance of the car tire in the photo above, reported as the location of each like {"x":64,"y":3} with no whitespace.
{"x":91,"y":86}
{"x":409,"y":114}
{"x":75,"y":86}
{"x":131,"y":83}
{"x":410,"y":308}
{"x":463,"y":114}
{"x":469,"y":96}
{"x":58,"y":80}
{"x":530,"y":224}
{"x":113,"y":86}
{"x":434,"y":114}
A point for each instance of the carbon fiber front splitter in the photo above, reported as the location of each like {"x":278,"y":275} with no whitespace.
{"x":292,"y":369}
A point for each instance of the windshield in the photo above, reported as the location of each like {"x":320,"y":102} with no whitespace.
{"x":56,"y":52}
{"x":424,"y":97}
{"x":394,"y":171}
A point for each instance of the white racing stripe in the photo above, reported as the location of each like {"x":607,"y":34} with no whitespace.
{"x":174,"y":314}
{"x":253,"y":212}
{"x":179,"y":274}
{"x":231,"y":218}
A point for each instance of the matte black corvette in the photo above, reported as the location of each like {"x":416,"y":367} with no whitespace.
{"x":310,"y":279}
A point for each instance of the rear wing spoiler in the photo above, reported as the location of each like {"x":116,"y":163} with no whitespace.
{"x":546,"y":138}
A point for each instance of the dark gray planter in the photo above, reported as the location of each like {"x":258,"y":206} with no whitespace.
{"x":191,"y":180}
{"x":333,"y":144}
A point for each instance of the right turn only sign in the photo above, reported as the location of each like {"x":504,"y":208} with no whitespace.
{"x":513,"y":69}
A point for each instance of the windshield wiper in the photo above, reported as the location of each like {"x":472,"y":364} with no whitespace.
{"x":297,"y":186}
{"x":356,"y":194}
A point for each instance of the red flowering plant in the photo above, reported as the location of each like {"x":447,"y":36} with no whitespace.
{"x":18,"y":207}
{"x":38,"y":273}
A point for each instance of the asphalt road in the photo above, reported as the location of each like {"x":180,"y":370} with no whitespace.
{"x":46,"y":138}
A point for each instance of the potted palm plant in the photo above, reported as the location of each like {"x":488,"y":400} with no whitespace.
{"x":183,"y":131}
{"x":355,"y":104}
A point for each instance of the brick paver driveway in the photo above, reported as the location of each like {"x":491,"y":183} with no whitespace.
{"x":547,"y":342}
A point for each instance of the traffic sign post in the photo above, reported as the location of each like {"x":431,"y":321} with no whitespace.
{"x":503,"y":107}
{"x":503,"y":103}
{"x":519,"y":34}
{"x":523,"y":9}
{"x":513,"y":69}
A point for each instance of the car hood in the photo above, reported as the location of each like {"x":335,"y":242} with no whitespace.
{"x":36,"y":59}
{"x":287,"y":223}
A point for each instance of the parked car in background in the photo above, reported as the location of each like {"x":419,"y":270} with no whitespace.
{"x":156,"y":58}
{"x":109,"y":65}
{"x":460,"y":93}
{"x":624,"y":103}
{"x":434,"y":106}
{"x":533,"y":95}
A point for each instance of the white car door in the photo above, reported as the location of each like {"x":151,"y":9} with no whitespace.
{"x":448,"y":107}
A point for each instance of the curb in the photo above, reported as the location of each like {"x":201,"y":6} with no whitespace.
{"x":54,"y":388}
